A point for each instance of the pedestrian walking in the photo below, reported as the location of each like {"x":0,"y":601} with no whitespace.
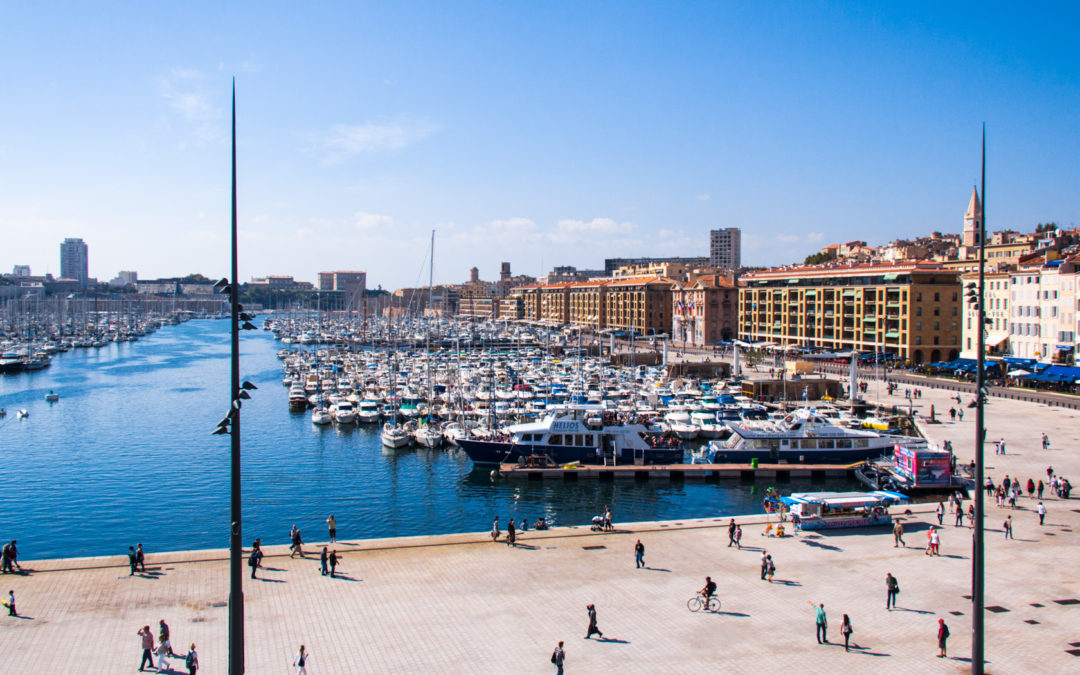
{"x":1045,"y":442}
{"x":164,"y":636}
{"x":892,"y":589}
{"x":511,"y":533}
{"x":940,"y":513}
{"x":898,"y":535}
{"x":959,"y":515}
{"x":731,"y":532}
{"x":132,"y":560}
{"x":324,"y":560}
{"x":333,"y":563}
{"x":5,"y":554}
{"x":1041,"y":510}
{"x":1031,"y":488}
{"x":738,"y":537}
{"x":191,"y":660}
{"x":593,"y":628}
{"x":770,"y":568}
{"x":764,"y":563}
{"x":140,"y":558}
{"x":942,"y":638}
{"x":10,"y":604}
{"x":162,"y":656}
{"x":822,"y":623}
{"x":297,"y":543}
{"x":639,"y":554}
{"x":255,"y":558}
{"x":1001,"y":445}
{"x":960,"y":414}
{"x":147,"y":641}
{"x":971,"y":516}
{"x":608,"y":527}
{"x":300,"y":662}
{"x":495,"y":530}
{"x":331,"y":524}
{"x":558,"y":657}
{"x":1008,"y":527}
{"x":846,"y":630}
{"x":1039,"y":489}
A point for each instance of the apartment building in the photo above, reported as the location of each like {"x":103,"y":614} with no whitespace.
{"x":909,"y":309}
{"x":997,"y":298}
{"x":1043,"y":312}
{"x":640,"y":304}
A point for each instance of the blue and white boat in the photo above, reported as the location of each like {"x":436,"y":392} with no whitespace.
{"x":803,"y":436}
{"x":587,"y":434}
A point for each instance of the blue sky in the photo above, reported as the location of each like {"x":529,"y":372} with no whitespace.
{"x":537,"y":133}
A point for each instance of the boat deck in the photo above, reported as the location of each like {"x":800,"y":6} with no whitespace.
{"x":678,"y":471}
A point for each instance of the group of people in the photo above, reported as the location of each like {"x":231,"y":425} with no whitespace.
{"x":513,"y":527}
{"x":136,"y":559}
{"x":10,"y":558}
{"x":163,"y":650}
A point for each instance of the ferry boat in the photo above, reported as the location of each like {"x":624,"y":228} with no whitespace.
{"x":827,"y":510}
{"x":803,"y":436}
{"x":587,"y":434}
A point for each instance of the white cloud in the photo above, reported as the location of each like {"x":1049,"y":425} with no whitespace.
{"x":815,"y":236}
{"x":345,"y":140}
{"x":367,"y":221}
{"x":704,"y":197}
{"x":185,"y":91}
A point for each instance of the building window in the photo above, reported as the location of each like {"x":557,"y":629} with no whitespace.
{"x":918,"y":325}
{"x":918,"y":339}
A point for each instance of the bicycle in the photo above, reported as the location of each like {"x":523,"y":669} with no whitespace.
{"x":698,"y":603}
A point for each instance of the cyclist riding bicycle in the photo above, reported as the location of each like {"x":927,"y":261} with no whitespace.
{"x":709,"y":590}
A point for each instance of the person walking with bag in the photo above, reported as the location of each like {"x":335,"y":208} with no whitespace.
{"x":191,"y":661}
{"x":942,"y":638}
{"x":892,"y":589}
{"x":300,"y":662}
{"x":558,"y":657}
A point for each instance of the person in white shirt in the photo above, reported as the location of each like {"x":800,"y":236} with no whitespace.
{"x":301,"y":660}
{"x":1041,"y":510}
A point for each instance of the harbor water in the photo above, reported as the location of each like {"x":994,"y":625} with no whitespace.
{"x":126,"y":456}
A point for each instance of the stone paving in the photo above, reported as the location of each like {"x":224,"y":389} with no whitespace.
{"x":461,"y":603}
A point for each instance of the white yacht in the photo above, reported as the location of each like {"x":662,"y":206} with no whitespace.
{"x":320,"y":417}
{"x":343,"y":412}
{"x":367,"y":412}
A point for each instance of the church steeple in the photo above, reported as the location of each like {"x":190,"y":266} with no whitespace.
{"x":973,"y":220}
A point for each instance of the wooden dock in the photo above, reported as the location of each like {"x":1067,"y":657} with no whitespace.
{"x":644,"y":472}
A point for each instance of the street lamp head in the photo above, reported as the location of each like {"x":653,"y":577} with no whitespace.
{"x":243,"y":394}
{"x":222,"y":283}
{"x":219,"y":431}
{"x":248,"y":385}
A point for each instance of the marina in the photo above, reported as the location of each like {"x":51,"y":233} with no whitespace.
{"x":144,"y":411}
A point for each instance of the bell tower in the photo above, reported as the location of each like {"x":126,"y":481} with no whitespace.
{"x":973,"y":221}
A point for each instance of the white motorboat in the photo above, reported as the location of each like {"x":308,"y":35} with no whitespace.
{"x":394,"y":436}
{"x":343,"y":412}
{"x":52,"y":396}
{"x":321,"y":417}
{"x":367,"y":412}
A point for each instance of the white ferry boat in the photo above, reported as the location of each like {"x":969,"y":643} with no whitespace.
{"x":803,"y":436}
{"x":588,"y":434}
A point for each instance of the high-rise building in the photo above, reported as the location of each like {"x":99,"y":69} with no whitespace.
{"x":74,"y":261}
{"x":21,"y":270}
{"x":725,"y":248}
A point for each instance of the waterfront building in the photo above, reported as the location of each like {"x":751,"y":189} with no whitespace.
{"x":704,"y":310}
{"x":569,"y":273}
{"x":725,"y":248}
{"x":479,"y":307}
{"x":997,"y":299}
{"x":20,"y":271}
{"x":910,"y":309}
{"x":638,"y":304}
{"x":1043,"y":311}
{"x":74,"y":261}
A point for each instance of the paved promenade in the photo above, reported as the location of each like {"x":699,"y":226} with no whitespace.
{"x":463,"y":604}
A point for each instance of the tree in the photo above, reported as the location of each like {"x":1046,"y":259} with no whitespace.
{"x":817,"y":258}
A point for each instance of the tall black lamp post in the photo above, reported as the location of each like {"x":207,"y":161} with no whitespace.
{"x":230,"y":424}
{"x":978,"y":557}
